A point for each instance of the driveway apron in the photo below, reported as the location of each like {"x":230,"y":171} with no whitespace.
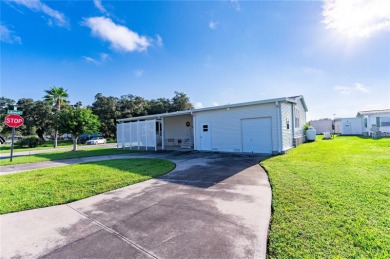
{"x":211,"y":206}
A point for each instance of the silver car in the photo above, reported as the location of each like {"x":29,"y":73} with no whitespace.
{"x":95,"y":141}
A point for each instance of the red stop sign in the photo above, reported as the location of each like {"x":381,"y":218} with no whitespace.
{"x":14,"y":120}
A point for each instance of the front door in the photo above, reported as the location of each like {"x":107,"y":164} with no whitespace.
{"x":205,"y":136}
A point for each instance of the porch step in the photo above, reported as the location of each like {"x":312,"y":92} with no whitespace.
{"x":187,"y":145}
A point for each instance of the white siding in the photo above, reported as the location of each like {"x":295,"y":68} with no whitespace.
{"x":322,"y":126}
{"x":356,"y":126}
{"x":385,"y":116}
{"x":302,"y":120}
{"x":287,"y":119}
{"x":225,"y":125}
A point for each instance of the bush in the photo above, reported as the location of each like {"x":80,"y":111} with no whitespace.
{"x":30,"y":142}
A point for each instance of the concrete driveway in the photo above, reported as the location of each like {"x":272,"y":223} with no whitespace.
{"x":211,"y":206}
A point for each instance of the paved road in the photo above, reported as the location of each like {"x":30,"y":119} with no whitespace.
{"x":210,"y":206}
{"x":6,"y":153}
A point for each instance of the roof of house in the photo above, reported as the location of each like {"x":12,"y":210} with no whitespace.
{"x":361,"y":113}
{"x":292,"y":99}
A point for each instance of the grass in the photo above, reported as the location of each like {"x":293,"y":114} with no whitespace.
{"x":48,"y":187}
{"x":64,"y":154}
{"x":331,"y":199}
{"x":46,"y":145}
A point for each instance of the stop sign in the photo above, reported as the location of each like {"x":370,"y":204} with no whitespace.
{"x":14,"y":120}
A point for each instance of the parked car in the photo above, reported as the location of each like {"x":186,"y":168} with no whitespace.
{"x":95,"y":141}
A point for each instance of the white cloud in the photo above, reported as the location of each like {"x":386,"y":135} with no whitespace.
{"x":343,"y":89}
{"x":37,"y":6}
{"x":361,"y":88}
{"x":8,"y":36}
{"x":198,"y":105}
{"x":138,"y":73}
{"x":103,"y":57}
{"x":213,"y":25}
{"x":357,"y":18}
{"x":120,"y":37}
{"x":98,"y":5}
{"x":215,"y":104}
{"x":159,"y":40}
{"x":347,"y":90}
{"x":236,"y":4}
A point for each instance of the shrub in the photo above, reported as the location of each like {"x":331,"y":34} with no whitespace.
{"x":30,"y":142}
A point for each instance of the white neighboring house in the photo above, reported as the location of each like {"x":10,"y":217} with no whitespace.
{"x":348,"y":126}
{"x":375,"y":120}
{"x":321,"y":126}
{"x":266,"y":126}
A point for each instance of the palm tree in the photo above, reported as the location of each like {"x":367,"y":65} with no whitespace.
{"x":56,"y":96}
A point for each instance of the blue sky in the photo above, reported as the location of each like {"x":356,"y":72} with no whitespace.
{"x":334,"y":53}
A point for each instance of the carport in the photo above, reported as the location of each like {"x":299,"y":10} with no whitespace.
{"x":157,"y":132}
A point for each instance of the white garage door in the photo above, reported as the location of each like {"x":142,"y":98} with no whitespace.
{"x":256,"y":135}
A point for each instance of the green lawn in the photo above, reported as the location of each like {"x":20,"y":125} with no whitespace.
{"x":64,"y":154}
{"x":53,"y":186}
{"x":331,"y":199}
{"x":46,"y":145}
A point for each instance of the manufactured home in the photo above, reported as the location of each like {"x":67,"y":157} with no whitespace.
{"x":321,"y":126}
{"x":377,"y":121}
{"x":348,"y":126}
{"x":267,"y":126}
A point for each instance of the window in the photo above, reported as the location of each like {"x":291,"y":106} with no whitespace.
{"x":385,"y":121}
{"x":296,"y":111}
{"x":378,"y":121}
{"x":205,"y":128}
{"x":365,"y":122}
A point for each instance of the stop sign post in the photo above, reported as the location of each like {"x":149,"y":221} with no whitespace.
{"x":13,"y":121}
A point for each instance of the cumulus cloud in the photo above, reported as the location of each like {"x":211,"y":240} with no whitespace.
{"x":213,"y":25}
{"x":8,"y":36}
{"x":357,"y":18}
{"x":103,"y":57}
{"x":120,"y":37}
{"x":215,"y":104}
{"x":98,"y":5}
{"x":347,"y":90}
{"x":55,"y":17}
{"x":198,"y":105}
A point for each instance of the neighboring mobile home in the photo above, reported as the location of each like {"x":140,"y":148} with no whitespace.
{"x":267,"y":126}
{"x":375,"y":120}
{"x":321,"y":126}
{"x":348,"y":126}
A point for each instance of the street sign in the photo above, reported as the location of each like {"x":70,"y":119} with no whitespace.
{"x":14,"y":112}
{"x":14,"y":120}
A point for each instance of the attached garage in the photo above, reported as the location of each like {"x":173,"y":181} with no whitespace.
{"x":267,"y":126}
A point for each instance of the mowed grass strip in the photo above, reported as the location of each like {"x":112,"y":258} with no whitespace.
{"x":64,"y":154}
{"x":331,"y":199}
{"x":53,"y":186}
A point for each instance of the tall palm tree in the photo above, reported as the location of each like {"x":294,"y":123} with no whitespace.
{"x":56,"y":96}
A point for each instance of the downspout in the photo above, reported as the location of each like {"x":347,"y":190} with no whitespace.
{"x":162,"y":134}
{"x":293,"y":124}
{"x":193,"y":129}
{"x":280,"y":139}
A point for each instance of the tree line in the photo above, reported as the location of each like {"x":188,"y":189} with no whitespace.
{"x":41,"y":116}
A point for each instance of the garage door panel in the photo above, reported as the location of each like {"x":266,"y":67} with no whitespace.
{"x":257,"y":135}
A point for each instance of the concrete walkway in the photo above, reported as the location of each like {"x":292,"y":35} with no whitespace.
{"x":211,"y":206}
